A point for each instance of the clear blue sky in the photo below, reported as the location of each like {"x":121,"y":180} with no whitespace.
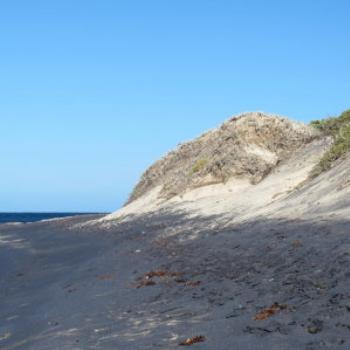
{"x":92,"y":92}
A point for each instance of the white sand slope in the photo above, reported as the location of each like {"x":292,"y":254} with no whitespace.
{"x":286,"y":192}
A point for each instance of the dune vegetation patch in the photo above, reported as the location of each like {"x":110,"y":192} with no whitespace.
{"x":339,"y":129}
{"x":246,"y":146}
{"x":199,"y":165}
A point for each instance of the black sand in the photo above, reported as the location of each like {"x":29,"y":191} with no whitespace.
{"x":65,"y":288}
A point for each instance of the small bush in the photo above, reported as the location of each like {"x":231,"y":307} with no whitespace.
{"x":332,"y":126}
{"x":339,"y":129}
{"x":199,"y":165}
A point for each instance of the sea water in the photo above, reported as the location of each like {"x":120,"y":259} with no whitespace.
{"x":31,"y":217}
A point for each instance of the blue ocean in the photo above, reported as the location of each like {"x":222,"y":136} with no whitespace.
{"x":32,"y":217}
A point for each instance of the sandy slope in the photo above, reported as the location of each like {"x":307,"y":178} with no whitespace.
{"x":225,"y":253}
{"x":211,"y":262}
{"x":238,"y":199}
{"x":247,"y":146}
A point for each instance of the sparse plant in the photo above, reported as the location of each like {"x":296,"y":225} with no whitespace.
{"x":331,"y":126}
{"x":199,"y":165}
{"x":339,"y":129}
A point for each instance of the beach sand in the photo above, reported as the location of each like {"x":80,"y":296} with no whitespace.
{"x":151,"y":283}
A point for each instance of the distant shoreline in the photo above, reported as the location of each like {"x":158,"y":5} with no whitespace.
{"x":27,"y":217}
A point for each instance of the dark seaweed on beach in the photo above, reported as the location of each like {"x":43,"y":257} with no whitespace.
{"x":193,"y":340}
{"x":269,"y":311}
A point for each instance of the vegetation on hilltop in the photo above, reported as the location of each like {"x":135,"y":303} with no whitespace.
{"x":247,"y":146}
{"x":339,"y":129}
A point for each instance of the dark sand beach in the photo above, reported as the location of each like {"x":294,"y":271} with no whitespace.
{"x":258,"y":285}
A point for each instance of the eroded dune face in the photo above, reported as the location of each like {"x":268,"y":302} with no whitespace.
{"x":247,"y":146}
{"x":255,"y":166}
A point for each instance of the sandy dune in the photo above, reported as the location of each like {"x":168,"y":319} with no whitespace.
{"x":213,"y":263}
{"x":235,"y":265}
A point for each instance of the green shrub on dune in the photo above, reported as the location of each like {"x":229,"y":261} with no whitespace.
{"x":199,"y":165}
{"x":339,"y":129}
